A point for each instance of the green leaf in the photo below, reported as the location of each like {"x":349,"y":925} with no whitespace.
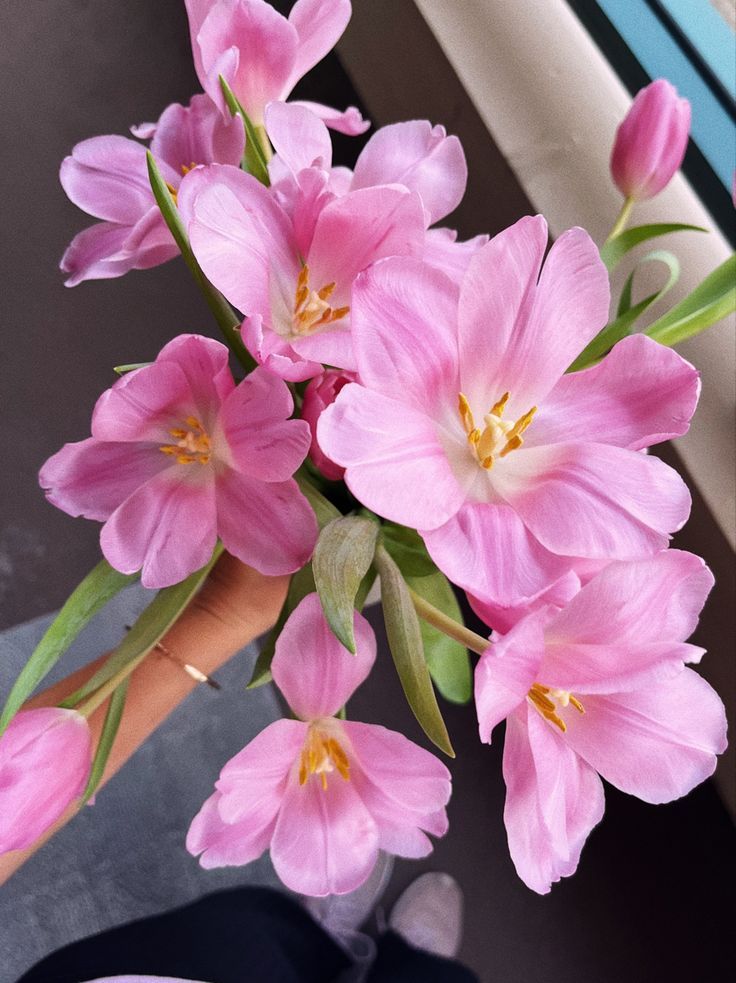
{"x":614,"y":250}
{"x":150,"y":627}
{"x":628,"y":314}
{"x":342,"y":557}
{"x":301,"y":584}
{"x":405,"y":641}
{"x":448,"y":661}
{"x":97,"y":588}
{"x":107,"y":738}
{"x":322,"y":507}
{"x":710,"y":302}
{"x":254,"y":159}
{"x":407,"y":548}
{"x":131,"y":367}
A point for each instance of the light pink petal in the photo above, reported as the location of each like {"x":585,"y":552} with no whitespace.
{"x":224,"y":844}
{"x":267,"y":46}
{"x":596,"y":500}
{"x":348,"y":121}
{"x":658,"y":742}
{"x":45,"y":758}
{"x":394,"y":460}
{"x":149,"y":241}
{"x":422,"y":158}
{"x":443,"y":251}
{"x":314,"y":671}
{"x":404,"y":328}
{"x":330,"y":346}
{"x":487,"y":550}
{"x":506,"y":671}
{"x":204,"y":363}
{"x":502,"y":617}
{"x":319,"y":25}
{"x":640,"y":394}
{"x":303,"y":196}
{"x":93,"y":477}
{"x":107,"y":177}
{"x":144,"y":131}
{"x":298,"y":136}
{"x":197,"y":134}
{"x":325,"y":841}
{"x":272,"y":351}
{"x":653,"y":600}
{"x":553,"y":801}
{"x":166,"y":527}
{"x":197,"y":11}
{"x":97,"y":253}
{"x":269,"y":526}
{"x":143,"y":405}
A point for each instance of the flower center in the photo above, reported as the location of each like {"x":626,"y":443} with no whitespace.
{"x":311,"y":310}
{"x":547,"y":701}
{"x":321,"y":755}
{"x":192,"y":445}
{"x":499,"y":437}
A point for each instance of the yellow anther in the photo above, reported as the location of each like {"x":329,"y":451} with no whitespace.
{"x":547,"y":700}
{"x":193,"y":442}
{"x":513,"y":444}
{"x":311,"y":310}
{"x":172,"y":192}
{"x":487,"y":462}
{"x":186,"y":168}
{"x":499,"y":437}
{"x":498,"y":408}
{"x":577,"y":704}
{"x":321,"y":755}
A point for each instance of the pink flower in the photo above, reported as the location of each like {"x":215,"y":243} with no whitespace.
{"x":320,"y":393}
{"x":466,"y":427}
{"x":292,"y":277}
{"x":262,"y":55}
{"x":45,"y":759}
{"x":324,"y":794}
{"x":651,"y":141}
{"x":178,"y":456}
{"x":599,"y":687}
{"x":108,"y":177}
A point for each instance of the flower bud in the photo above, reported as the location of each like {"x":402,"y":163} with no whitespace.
{"x":45,"y":760}
{"x":651,"y":141}
{"x":320,"y":393}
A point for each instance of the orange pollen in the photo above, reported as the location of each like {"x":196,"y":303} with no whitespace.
{"x":172,"y":192}
{"x":192,"y":443}
{"x":498,"y":437}
{"x":321,"y":755}
{"x":547,"y":702}
{"x":311,"y":310}
{"x":186,"y":168}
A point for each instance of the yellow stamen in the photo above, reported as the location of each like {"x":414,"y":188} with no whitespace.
{"x":498,"y":408}
{"x":546,"y":701}
{"x":311,"y":310}
{"x":194,"y":442}
{"x":321,"y":755}
{"x":186,"y":168}
{"x":498,"y":437}
{"x":172,"y":192}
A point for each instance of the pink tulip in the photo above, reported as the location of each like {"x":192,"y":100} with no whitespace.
{"x":292,"y":276}
{"x":45,"y":760}
{"x":321,"y":392}
{"x":651,"y":141}
{"x":178,"y":456}
{"x":599,"y":686}
{"x":466,"y":427}
{"x":107,"y":177}
{"x":262,"y":55}
{"x":324,"y":794}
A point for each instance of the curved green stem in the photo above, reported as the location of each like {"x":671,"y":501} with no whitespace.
{"x":107,"y":689}
{"x":453,"y":629}
{"x":622,"y":219}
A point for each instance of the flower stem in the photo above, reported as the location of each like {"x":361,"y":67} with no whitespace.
{"x":107,"y":689}
{"x":623,"y":217}
{"x":448,"y":626}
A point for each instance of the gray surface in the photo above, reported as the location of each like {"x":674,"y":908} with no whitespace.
{"x":124,"y":857}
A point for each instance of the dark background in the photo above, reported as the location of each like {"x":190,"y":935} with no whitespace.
{"x":653,"y":899}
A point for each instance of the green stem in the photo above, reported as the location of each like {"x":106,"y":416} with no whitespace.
{"x":448,"y":626}
{"x":264,"y":142}
{"x":621,"y":221}
{"x":107,"y":689}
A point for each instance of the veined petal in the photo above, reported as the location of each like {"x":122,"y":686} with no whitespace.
{"x":143,"y":405}
{"x":394,"y":460}
{"x":197,"y":134}
{"x":107,"y":177}
{"x":97,"y":253}
{"x":348,"y":121}
{"x":298,"y":136}
{"x":502,"y":617}
{"x":314,"y":671}
{"x":204,"y":363}
{"x":222,"y":844}
{"x":319,"y":25}
{"x":658,"y":742}
{"x":640,"y":394}
{"x":275,"y":353}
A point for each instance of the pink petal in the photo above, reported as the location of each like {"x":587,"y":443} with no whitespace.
{"x":93,"y":477}
{"x":166,"y":527}
{"x":332,"y":346}
{"x":502,"y":617}
{"x":506,"y":671}
{"x":224,"y":844}
{"x":348,"y":121}
{"x":325,"y":841}
{"x":268,"y":526}
{"x":658,"y":742}
{"x":107,"y":177}
{"x":486,"y":549}
{"x":272,"y":351}
{"x":143,"y":405}
{"x":595,"y":500}
{"x":205,"y":364}
{"x":298,"y":136}
{"x":404,"y":317}
{"x":97,"y":253}
{"x":197,"y":11}
{"x":45,"y":758}
{"x":442,"y":251}
{"x":422,"y":158}
{"x":401,"y":472}
{"x":319,"y":25}
{"x":640,"y":394}
{"x":553,"y":801}
{"x":314,"y":671}
{"x":149,"y":241}
{"x":197,"y":134}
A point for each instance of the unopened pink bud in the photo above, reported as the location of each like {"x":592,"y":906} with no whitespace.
{"x":651,"y":141}
{"x":321,"y":392}
{"x":45,"y":760}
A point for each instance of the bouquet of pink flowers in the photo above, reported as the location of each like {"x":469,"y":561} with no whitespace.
{"x":392,"y":405}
